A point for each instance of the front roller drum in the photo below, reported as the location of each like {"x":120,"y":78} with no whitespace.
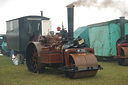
{"x":123,"y":61}
{"x":82,"y":61}
{"x":81,"y":74}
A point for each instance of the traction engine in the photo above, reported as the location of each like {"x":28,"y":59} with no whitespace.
{"x":62,"y":52}
{"x":122,"y":45}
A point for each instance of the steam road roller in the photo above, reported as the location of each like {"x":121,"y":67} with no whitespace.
{"x":122,"y":45}
{"x":62,"y":52}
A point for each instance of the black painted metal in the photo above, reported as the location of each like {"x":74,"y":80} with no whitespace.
{"x":75,"y":69}
{"x":70,"y":11}
{"x":126,"y":38}
{"x":122,"y":26}
{"x":22,"y":30}
{"x":41,"y":13}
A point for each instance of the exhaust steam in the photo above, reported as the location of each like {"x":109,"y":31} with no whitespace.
{"x":118,"y":5}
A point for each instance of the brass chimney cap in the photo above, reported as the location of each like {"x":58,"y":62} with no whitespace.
{"x":70,"y":6}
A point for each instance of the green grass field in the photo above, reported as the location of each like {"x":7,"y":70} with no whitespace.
{"x":112,"y":74}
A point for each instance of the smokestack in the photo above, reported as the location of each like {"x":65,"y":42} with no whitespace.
{"x":41,"y":13}
{"x":70,"y":11}
{"x":127,"y":38}
{"x":122,"y":26}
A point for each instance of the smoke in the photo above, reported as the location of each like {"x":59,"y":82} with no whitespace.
{"x":3,"y":2}
{"x":87,"y":3}
{"x":118,"y":5}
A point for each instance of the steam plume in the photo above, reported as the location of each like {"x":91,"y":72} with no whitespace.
{"x":100,"y":4}
{"x":3,"y":2}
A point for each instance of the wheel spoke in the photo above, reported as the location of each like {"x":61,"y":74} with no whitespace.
{"x":32,"y":59}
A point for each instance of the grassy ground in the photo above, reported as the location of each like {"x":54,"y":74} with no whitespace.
{"x":112,"y":74}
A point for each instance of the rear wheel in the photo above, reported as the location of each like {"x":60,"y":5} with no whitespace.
{"x":32,"y":59}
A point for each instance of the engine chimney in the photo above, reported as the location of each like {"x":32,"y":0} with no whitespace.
{"x":122,"y":27}
{"x":41,"y":13}
{"x":70,"y":11}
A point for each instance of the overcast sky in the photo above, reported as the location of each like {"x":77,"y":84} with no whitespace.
{"x":57,"y":11}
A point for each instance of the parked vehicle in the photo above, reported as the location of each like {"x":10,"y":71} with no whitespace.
{"x":59,"y":51}
{"x":107,"y":38}
{"x":21,"y":31}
